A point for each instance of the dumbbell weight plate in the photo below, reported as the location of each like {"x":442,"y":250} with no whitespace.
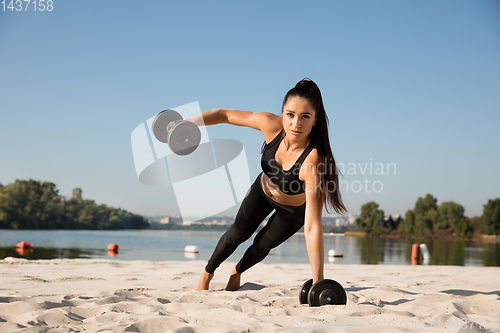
{"x":160,"y":123}
{"x":183,"y":137}
{"x":326,"y":292}
{"x":304,"y":291}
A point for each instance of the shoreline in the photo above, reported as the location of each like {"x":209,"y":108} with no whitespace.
{"x":61,"y":295}
{"x":480,"y":237}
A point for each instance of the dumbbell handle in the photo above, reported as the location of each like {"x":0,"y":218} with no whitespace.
{"x":172,"y":124}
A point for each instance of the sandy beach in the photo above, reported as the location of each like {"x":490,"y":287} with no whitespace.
{"x":76,"y":295}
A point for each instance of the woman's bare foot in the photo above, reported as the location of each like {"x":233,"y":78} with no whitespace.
{"x":205,"y":279}
{"x":234,"y":281}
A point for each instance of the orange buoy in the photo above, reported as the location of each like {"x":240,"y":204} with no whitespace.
{"x":113,"y":247}
{"x":24,"y":245}
{"x":415,"y":253}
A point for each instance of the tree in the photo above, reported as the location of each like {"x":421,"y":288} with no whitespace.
{"x":391,"y":223}
{"x":408,"y":224}
{"x":477,"y":224}
{"x":371,"y":219}
{"x":491,"y":217}
{"x":36,"y":205}
{"x":30,"y":205}
{"x":451,"y":216}
{"x":3,"y":213}
{"x":425,"y":214}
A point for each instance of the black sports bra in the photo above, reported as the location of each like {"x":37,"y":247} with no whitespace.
{"x":287,"y":181}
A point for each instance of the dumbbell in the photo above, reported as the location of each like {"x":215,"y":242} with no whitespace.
{"x":323,"y":292}
{"x":182,"y":136}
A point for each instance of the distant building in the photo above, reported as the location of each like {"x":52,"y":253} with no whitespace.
{"x":165,"y":220}
{"x":339,"y":221}
{"x":206,"y":221}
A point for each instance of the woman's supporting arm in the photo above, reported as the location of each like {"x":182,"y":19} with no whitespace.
{"x":313,"y":226}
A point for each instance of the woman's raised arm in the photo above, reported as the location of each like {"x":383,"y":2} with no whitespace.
{"x":267,"y":123}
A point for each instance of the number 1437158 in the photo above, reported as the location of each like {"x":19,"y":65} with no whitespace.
{"x":25,"y":5}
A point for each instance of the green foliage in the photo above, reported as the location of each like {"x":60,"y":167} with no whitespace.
{"x":476,"y":223}
{"x":36,"y":205}
{"x":491,"y":217}
{"x":429,"y":219}
{"x":425,"y":214}
{"x":334,"y":229}
{"x":25,"y":204}
{"x":391,"y":223}
{"x":408,"y":224}
{"x":371,"y":219}
{"x":464,"y":227}
{"x":450,"y":215}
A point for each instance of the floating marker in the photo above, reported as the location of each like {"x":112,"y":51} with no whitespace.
{"x":332,"y":253}
{"x":415,"y":253}
{"x":113,"y":247}
{"x":425,"y":253}
{"x":192,"y":249}
{"x":24,"y":245}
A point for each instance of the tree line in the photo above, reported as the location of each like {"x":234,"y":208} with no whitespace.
{"x":37,"y":205}
{"x":431,"y":220}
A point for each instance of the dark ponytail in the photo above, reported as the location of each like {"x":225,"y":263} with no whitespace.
{"x":327,"y":167}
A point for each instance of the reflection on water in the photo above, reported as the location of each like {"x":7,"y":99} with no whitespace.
{"x":158,"y":245}
{"x":371,"y":250}
{"x":443,"y":252}
{"x":491,"y":255}
{"x":48,"y":253}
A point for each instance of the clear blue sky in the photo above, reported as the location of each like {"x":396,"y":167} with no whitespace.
{"x":414,"y":83}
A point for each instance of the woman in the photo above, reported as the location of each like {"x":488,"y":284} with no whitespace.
{"x":299,"y":176}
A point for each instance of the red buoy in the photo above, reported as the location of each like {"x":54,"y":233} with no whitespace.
{"x":24,"y":245}
{"x":113,"y":247}
{"x":415,"y":253}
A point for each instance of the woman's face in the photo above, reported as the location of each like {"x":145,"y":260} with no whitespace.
{"x":298,"y":117}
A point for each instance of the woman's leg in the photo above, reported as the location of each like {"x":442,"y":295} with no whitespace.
{"x":253,"y":210}
{"x":278,"y":229}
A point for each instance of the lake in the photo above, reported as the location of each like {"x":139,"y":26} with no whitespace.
{"x":164,"y":245}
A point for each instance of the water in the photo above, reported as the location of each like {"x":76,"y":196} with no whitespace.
{"x":163,"y":245}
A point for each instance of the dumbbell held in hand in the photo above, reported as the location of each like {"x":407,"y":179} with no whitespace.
{"x":182,"y":136}
{"x":322,"y":292}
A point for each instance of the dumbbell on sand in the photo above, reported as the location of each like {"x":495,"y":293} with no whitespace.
{"x":323,"y":292}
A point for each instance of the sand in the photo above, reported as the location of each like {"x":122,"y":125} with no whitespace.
{"x":76,"y":295}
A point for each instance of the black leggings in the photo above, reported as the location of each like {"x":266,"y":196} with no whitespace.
{"x":285,"y":221}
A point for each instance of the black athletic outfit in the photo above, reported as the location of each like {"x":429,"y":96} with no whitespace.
{"x":256,"y":206}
